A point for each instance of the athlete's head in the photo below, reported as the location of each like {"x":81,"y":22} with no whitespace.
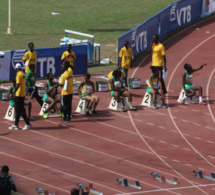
{"x":5,"y":169}
{"x":31,"y":46}
{"x":32,"y":67}
{"x":155,"y":38}
{"x":69,"y":47}
{"x":126,"y":44}
{"x":117,"y":74}
{"x":87,"y":77}
{"x":188,"y":67}
{"x":50,"y":76}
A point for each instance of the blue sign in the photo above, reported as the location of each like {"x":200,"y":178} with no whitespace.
{"x":49,"y":60}
{"x":172,"y":17}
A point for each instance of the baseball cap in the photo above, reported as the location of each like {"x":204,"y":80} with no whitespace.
{"x":18,"y":65}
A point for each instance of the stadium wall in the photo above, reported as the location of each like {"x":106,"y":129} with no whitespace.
{"x":48,"y":60}
{"x":175,"y":16}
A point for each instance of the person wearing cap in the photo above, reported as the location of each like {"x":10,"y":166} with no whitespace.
{"x":66,"y":82}
{"x":19,"y":93}
{"x":30,"y":57}
{"x":158,"y":58}
{"x":126,"y":56}
{"x":69,"y":55}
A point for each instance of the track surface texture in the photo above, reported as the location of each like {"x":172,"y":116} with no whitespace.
{"x":99,"y":149}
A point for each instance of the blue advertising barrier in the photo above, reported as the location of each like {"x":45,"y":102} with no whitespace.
{"x":172,"y":17}
{"x":49,"y":60}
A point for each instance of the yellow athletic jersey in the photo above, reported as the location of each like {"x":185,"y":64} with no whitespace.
{"x":158,"y":51}
{"x":126,"y":55}
{"x":20,"y":79}
{"x":70,"y":58}
{"x":69,"y":77}
{"x":31,"y":58}
{"x":155,"y":82}
{"x":110,"y":75}
{"x":86,"y":88}
{"x":70,"y":70}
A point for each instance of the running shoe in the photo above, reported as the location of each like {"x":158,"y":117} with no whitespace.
{"x":94,"y":112}
{"x":88,"y":113}
{"x":27,"y":127}
{"x":154,"y":106}
{"x":124,"y":110}
{"x":132,"y":108}
{"x":45,"y":115}
{"x":14,"y":127}
{"x":62,"y":114}
{"x":202,"y":103}
{"x":164,"y":105}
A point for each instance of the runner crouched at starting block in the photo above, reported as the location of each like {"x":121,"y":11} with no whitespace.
{"x":188,"y":86}
{"x":118,"y":90}
{"x":26,"y":102}
{"x":50,"y":97}
{"x":85,"y":90}
{"x":155,"y":87}
{"x":123,"y":77}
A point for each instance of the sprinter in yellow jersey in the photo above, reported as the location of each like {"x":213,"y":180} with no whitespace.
{"x":190,"y":89}
{"x":110,"y":75}
{"x":66,"y":82}
{"x":30,"y":57}
{"x":85,"y":90}
{"x":155,"y":87}
{"x":117,"y":90}
{"x":19,"y":93}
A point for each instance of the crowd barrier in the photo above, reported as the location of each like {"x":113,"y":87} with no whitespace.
{"x":174,"y":16}
{"x":48,"y":60}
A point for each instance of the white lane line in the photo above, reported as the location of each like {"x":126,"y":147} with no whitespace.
{"x":189,"y":165}
{"x":206,"y":113}
{"x":175,"y":160}
{"x":209,"y":127}
{"x":174,"y":131}
{"x":162,"y":127}
{"x":182,"y":107}
{"x":212,"y":157}
{"x":163,"y":142}
{"x":186,"y":135}
{"x":196,"y":124}
{"x":175,"y":145}
{"x":168,"y":189}
{"x":186,"y":149}
{"x":185,"y":121}
{"x":198,"y":138}
{"x":149,"y":137}
{"x":195,"y":110}
{"x":210,"y":141}
{"x":201,"y":169}
{"x":150,"y":124}
{"x":162,"y":156}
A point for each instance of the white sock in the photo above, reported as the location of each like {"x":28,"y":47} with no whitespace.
{"x":200,"y":99}
{"x":130,"y":104}
{"x":120,"y":105}
{"x":185,"y":97}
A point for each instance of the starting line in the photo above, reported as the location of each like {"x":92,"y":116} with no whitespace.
{"x":167,"y":189}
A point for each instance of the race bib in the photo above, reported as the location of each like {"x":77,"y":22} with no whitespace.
{"x":118,"y":84}
{"x":155,"y":85}
{"x":87,"y":89}
{"x":189,"y":77}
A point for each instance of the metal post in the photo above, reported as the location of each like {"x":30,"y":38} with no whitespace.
{"x":9,"y":29}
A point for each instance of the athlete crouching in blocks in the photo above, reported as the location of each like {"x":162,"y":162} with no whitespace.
{"x":50,"y":97}
{"x":118,"y":90}
{"x":85,"y":90}
{"x":188,"y":87}
{"x":155,"y":87}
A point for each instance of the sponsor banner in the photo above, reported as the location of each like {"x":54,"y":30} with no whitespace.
{"x":208,"y":7}
{"x":5,"y":66}
{"x":172,"y":17}
{"x":49,"y":60}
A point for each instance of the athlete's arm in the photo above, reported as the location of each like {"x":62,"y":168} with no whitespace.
{"x":194,"y":70}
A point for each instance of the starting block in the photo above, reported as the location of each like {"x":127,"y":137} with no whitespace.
{"x":124,"y":183}
{"x":115,"y":105}
{"x":162,"y":179}
{"x":199,"y":174}
{"x":147,"y":100}
{"x":54,"y":112}
{"x":190,"y":100}
{"x":82,"y":106}
{"x":89,"y":189}
{"x":10,"y":114}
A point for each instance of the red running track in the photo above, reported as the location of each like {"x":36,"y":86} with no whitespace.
{"x":100,"y":149}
